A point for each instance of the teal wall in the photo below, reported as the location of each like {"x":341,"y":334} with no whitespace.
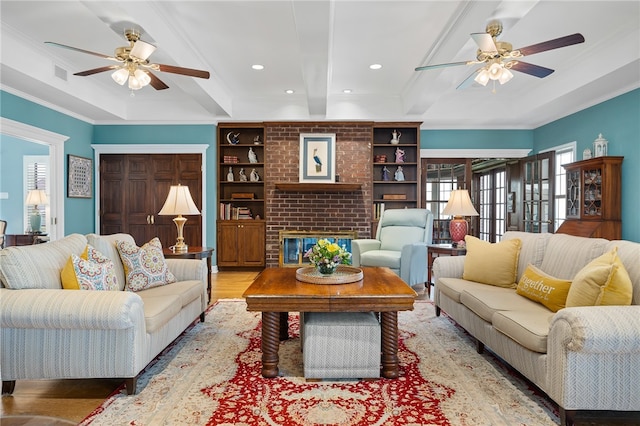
{"x":12,"y":151}
{"x":79,"y":212}
{"x":619,"y":122}
{"x":476,"y":139}
{"x":171,"y":134}
{"x":617,"y":119}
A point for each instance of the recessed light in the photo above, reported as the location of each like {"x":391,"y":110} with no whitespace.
{"x":375,"y":66}
{"x":289,"y":91}
{"x":257,"y":67}
{"x":347,"y":91}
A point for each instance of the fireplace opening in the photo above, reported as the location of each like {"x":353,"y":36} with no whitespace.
{"x":294,"y":244}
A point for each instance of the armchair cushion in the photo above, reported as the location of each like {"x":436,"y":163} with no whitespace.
{"x":384,"y":258}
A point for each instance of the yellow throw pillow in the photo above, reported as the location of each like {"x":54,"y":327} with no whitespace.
{"x":542,"y":288}
{"x":144,"y":267}
{"x":495,"y":264}
{"x":89,"y":271}
{"x":603,"y":281}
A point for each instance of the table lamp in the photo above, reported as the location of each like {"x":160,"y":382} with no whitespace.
{"x":36,"y":197}
{"x":179,"y":202}
{"x":459,"y":205}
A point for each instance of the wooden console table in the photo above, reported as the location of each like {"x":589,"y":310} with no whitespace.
{"x":24,"y":239}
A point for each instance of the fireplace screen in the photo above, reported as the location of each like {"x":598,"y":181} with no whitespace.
{"x":294,"y":244}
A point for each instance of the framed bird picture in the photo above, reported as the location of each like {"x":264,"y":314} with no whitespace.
{"x":317,"y":157}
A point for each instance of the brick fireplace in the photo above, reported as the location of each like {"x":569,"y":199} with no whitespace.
{"x":292,"y":210}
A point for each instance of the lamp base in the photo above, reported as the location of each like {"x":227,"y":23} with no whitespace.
{"x":35,"y":221}
{"x":180,"y":246}
{"x":457,"y":229}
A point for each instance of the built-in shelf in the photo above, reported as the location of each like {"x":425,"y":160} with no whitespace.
{"x":313,"y":187}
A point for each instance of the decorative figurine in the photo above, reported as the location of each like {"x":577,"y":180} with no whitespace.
{"x":399,"y":175}
{"x":386,"y":174}
{"x":230,"y":175}
{"x":253,"y":158}
{"x":395,"y":137}
{"x":243,"y":177}
{"x":256,"y":140}
{"x":586,"y":154}
{"x":600,"y":146}
{"x":254,"y":177}
{"x":233,"y":138}
{"x":399,"y":155}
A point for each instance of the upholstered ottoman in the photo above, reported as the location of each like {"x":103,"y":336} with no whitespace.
{"x":341,"y":345}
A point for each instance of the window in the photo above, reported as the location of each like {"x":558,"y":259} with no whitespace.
{"x":36,"y":176}
{"x":564,"y":154}
{"x":492,"y":204}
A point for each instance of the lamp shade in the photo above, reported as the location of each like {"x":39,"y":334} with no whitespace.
{"x":179,"y":202}
{"x":459,"y":204}
{"x":37,"y":197}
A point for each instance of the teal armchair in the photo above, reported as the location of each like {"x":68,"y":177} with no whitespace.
{"x":400,"y":244}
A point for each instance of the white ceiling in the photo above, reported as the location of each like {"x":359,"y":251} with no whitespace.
{"x":319,"y":48}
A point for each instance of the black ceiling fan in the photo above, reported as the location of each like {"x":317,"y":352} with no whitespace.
{"x":133,"y":64}
{"x":499,"y":57}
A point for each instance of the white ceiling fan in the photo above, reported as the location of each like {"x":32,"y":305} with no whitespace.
{"x":499,"y":57}
{"x":133,"y":64}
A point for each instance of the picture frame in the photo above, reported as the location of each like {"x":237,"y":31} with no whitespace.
{"x":79,"y":177}
{"x":317,"y":158}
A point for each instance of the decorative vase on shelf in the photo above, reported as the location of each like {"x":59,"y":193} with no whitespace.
{"x":326,"y":269}
{"x":395,"y":137}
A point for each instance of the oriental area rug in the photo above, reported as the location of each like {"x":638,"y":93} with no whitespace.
{"x":211,"y":375}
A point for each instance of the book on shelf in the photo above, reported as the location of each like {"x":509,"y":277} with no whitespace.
{"x":230,"y":212}
{"x":378,"y":208}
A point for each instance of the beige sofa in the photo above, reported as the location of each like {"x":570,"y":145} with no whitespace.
{"x":584,"y":358}
{"x":51,"y":333}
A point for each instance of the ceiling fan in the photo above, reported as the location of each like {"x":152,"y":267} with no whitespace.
{"x":133,"y":64}
{"x":499,"y":57}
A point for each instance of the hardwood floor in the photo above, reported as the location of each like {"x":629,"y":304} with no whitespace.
{"x":76,"y":399}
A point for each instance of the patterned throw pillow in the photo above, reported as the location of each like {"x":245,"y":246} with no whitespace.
{"x":603,"y":281}
{"x":543,"y":288}
{"x":144,"y":267}
{"x":89,"y":271}
{"x":494,"y":264}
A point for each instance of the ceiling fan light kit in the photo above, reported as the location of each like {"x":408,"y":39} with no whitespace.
{"x":134,"y":67}
{"x":498,"y":57}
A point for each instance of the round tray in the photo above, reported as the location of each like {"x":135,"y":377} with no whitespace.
{"x":343,"y":275}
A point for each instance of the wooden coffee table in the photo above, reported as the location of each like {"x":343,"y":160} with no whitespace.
{"x":276,"y":292}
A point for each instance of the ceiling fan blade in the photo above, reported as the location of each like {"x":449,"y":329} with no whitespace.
{"x":142,"y":50}
{"x":452,"y":64}
{"x":531,"y":69}
{"x":64,"y":46}
{"x":552,"y":44}
{"x":184,"y":71}
{"x":468,"y":81}
{"x":156,"y":83}
{"x":485,"y":42}
{"x":96,"y":70}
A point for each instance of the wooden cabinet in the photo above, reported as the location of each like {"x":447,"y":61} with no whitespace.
{"x":396,"y":167}
{"x":134,"y":187}
{"x":241,"y":195}
{"x":241,"y":243}
{"x":594,"y":198}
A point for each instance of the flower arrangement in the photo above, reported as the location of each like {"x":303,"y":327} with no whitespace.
{"x":326,"y":256}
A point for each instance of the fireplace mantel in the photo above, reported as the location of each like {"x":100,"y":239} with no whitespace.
{"x":315,"y":187}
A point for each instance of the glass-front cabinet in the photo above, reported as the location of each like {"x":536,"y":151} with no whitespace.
{"x":594,"y":198}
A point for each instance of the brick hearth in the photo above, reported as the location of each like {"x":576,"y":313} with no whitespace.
{"x":321,"y":211}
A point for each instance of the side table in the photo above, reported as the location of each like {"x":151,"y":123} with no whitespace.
{"x":435,"y":250}
{"x":194,"y":252}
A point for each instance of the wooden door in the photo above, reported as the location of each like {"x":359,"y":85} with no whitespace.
{"x":134,"y":187}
